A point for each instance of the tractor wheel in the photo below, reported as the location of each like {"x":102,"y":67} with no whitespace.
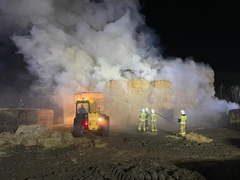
{"x":77,"y":128}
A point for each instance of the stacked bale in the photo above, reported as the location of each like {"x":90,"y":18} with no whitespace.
{"x":116,"y":100}
{"x":160,"y":94}
{"x":234,"y":117}
{"x":11,"y":118}
{"x":8,"y":120}
{"x":161,"y":98}
{"x":125,"y":99}
{"x":138,"y":96}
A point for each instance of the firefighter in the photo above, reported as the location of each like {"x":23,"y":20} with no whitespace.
{"x":147,"y":118}
{"x":182,"y":123}
{"x":142,"y":119}
{"x":153,"y":120}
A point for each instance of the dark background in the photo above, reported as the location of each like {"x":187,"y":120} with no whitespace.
{"x":207,"y":31}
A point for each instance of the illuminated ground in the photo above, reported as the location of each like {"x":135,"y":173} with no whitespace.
{"x":130,"y":155}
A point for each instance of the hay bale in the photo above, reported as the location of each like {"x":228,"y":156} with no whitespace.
{"x":34,"y":130}
{"x":25,"y":135}
{"x":160,"y":83}
{"x":52,"y":139}
{"x":115,"y":83}
{"x":40,"y":136}
{"x":8,"y":120}
{"x":160,"y":94}
{"x":11,"y":118}
{"x":7,"y":138}
{"x":138,"y":86}
{"x":115,"y":88}
{"x":197,"y":138}
{"x":124,"y":99}
{"x":28,"y":135}
{"x":45,"y":118}
{"x":234,"y":116}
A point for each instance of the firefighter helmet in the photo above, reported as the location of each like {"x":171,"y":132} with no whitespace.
{"x":153,"y":111}
{"x":143,"y":110}
{"x":182,"y":112}
{"x":146,"y":109}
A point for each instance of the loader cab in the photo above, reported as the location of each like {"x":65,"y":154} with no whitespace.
{"x":82,"y":107}
{"x":86,"y":106}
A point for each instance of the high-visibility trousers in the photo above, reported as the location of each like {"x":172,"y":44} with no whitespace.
{"x":141,"y":126}
{"x":182,"y":130}
{"x":154,"y":126}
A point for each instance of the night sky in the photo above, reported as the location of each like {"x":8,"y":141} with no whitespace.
{"x":207,"y":31}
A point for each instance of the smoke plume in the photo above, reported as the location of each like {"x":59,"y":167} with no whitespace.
{"x":74,"y":44}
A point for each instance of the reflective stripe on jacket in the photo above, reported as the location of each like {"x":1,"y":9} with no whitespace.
{"x":153,"y":117}
{"x":182,"y":119}
{"x":142,"y":116}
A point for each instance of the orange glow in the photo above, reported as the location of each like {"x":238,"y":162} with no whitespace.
{"x":88,"y":95}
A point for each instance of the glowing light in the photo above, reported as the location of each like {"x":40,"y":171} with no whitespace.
{"x":85,"y":123}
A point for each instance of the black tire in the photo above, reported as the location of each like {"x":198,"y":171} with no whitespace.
{"x":78,"y":129}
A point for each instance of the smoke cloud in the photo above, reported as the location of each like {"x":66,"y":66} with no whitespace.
{"x":74,"y":44}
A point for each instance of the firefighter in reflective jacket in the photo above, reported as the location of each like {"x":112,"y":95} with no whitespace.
{"x":182,"y":123}
{"x":147,"y":118}
{"x":142,"y":119}
{"x":153,"y":120}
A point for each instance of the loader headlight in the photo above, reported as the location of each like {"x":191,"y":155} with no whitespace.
{"x":100,"y":119}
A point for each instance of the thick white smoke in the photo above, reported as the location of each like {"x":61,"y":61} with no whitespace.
{"x":72,"y":44}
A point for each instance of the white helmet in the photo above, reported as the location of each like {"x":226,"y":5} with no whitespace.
{"x":146,"y":109}
{"x":143,"y":110}
{"x":182,"y":112}
{"x":153,"y":111}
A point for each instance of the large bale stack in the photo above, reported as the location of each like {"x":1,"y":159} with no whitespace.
{"x":161,"y":98}
{"x":116,"y":100}
{"x":138,"y":98}
{"x":11,"y":118}
{"x":160,"y":94}
{"x":125,"y":99}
